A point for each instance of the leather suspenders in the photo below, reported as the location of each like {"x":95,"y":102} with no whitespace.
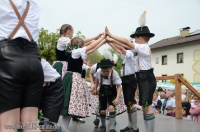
{"x":21,"y":21}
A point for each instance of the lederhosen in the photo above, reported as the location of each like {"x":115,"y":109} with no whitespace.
{"x":107,"y":93}
{"x":52,"y":100}
{"x":129,"y":85}
{"x":147,"y":85}
{"x":21,"y":72}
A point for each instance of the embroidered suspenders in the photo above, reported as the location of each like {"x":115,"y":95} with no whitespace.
{"x":111,"y":79}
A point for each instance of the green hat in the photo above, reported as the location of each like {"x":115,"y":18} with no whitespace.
{"x":142,"y":31}
{"x":105,"y":63}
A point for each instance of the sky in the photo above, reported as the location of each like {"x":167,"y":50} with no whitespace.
{"x":164,"y":17}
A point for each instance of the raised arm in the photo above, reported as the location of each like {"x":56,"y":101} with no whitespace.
{"x":94,"y":47}
{"x":114,"y":47}
{"x":88,"y":43}
{"x":120,"y":39}
{"x":86,"y":40}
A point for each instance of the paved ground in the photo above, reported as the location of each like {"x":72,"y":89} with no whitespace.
{"x":163,"y":124}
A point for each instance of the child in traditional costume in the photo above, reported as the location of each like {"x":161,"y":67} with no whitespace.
{"x":21,"y":74}
{"x":76,"y":101}
{"x":129,"y":85}
{"x":109,"y":93}
{"x":145,"y":76}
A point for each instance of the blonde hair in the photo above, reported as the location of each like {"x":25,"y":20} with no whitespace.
{"x":64,"y":28}
{"x":76,"y":41}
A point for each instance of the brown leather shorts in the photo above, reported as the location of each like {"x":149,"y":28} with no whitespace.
{"x":21,"y":75}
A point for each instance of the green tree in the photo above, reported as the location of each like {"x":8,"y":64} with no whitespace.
{"x":79,"y":34}
{"x":47,"y":44}
{"x":119,"y":61}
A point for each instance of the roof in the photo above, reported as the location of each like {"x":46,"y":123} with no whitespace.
{"x":194,"y":36}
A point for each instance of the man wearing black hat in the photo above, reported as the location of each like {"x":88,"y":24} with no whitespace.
{"x":145,"y":76}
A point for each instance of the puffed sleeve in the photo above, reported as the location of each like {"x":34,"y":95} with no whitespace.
{"x":81,"y":52}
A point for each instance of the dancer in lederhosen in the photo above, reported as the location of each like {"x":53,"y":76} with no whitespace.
{"x":21,"y":74}
{"x":109,"y":93}
{"x":145,"y":76}
{"x":129,"y":85}
{"x":52,"y":95}
{"x":76,"y":101}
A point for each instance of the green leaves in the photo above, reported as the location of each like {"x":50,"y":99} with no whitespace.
{"x":47,"y":44}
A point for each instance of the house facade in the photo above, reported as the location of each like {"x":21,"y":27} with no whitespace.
{"x":179,"y":54}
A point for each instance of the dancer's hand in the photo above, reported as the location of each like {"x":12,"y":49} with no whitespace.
{"x":116,"y":102}
{"x":107,"y":32}
{"x":98,"y":36}
{"x":108,"y":39}
{"x":95,"y":92}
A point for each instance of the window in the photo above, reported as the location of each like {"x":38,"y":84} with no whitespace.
{"x":164,"y":80}
{"x":164,"y":60}
{"x":180,"y":58}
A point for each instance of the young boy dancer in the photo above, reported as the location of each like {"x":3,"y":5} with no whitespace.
{"x":109,"y":93}
{"x":129,"y":86}
{"x":145,"y":76}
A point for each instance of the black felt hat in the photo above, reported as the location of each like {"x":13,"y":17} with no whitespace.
{"x":142,"y":31}
{"x":105,"y":63}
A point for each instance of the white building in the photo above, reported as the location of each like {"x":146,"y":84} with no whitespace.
{"x":179,"y":54}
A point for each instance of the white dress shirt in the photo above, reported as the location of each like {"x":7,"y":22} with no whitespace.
{"x":50,"y":74}
{"x":130,"y":63}
{"x":116,"y":78}
{"x":81,"y":52}
{"x":9,"y":20}
{"x":144,"y":56}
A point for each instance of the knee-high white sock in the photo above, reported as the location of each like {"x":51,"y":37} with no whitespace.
{"x":134,"y":118}
{"x":65,"y":122}
{"x":112,"y":120}
{"x":149,"y":120}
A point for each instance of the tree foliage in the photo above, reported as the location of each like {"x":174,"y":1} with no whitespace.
{"x":47,"y":44}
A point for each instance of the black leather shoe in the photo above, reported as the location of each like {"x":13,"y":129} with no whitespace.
{"x":126,"y":129}
{"x":78,"y":120}
{"x":102,"y":129}
{"x":113,"y":130}
{"x":132,"y":130}
{"x":96,"y":122}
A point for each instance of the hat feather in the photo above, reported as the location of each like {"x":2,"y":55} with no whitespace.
{"x":107,"y":54}
{"x":142,"y":20}
{"x":115,"y":58}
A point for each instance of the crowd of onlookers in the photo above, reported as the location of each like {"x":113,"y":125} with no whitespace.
{"x":164,"y":102}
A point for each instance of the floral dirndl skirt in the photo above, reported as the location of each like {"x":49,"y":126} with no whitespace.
{"x":76,"y":101}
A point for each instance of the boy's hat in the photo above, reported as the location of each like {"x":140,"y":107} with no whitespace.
{"x":142,"y":30}
{"x":105,"y":63}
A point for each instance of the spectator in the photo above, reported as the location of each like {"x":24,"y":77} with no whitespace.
{"x":188,"y":97}
{"x":183,"y":91}
{"x":186,"y":114}
{"x":170,"y":101}
{"x":195,"y":110}
{"x":170,"y":111}
{"x":156,"y":103}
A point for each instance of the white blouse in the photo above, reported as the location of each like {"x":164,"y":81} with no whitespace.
{"x":81,"y":52}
